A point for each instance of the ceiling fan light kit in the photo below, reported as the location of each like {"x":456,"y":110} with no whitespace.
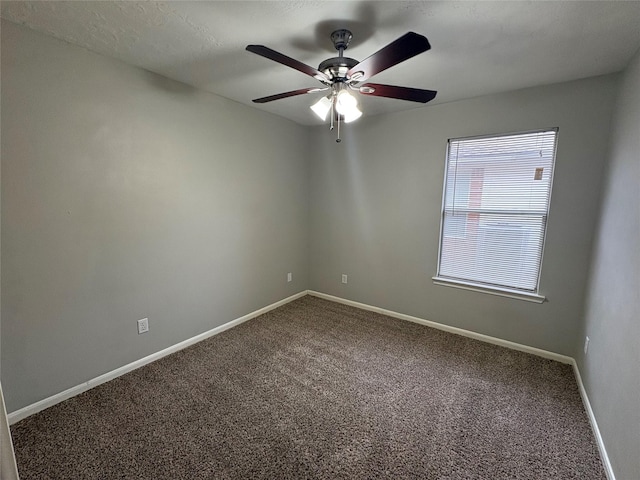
{"x":341,"y":76}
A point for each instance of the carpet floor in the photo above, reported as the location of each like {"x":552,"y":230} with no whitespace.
{"x":316,"y":389}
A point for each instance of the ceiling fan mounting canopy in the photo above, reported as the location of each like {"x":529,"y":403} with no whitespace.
{"x":341,"y":38}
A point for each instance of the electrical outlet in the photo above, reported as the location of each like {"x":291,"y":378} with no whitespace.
{"x":143,"y":326}
{"x":344,"y":278}
{"x":586,"y":344}
{"x":289,"y":277}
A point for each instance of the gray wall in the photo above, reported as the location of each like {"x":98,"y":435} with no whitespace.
{"x":125,"y":196}
{"x":611,"y":369}
{"x":376,"y":197}
{"x":8,"y":467}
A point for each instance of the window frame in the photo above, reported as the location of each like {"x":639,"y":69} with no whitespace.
{"x":531,"y":296}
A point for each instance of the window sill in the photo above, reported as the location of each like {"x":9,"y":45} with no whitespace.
{"x":502,"y":292}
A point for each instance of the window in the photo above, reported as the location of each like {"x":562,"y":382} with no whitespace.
{"x":494,"y":212}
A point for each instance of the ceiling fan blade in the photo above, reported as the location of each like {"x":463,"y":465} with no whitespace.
{"x":407,"y":46}
{"x":288,"y":61}
{"x":401,"y":93}
{"x":293,"y":93}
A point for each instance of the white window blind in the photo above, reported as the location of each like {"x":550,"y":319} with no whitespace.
{"x":495,"y":206}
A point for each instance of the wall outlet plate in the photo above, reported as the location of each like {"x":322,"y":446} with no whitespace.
{"x":143,"y":325}
{"x":344,"y":278}
{"x":289,"y":277}
{"x":586,"y":344}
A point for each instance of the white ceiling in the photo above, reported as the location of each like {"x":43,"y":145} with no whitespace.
{"x":478,"y":48}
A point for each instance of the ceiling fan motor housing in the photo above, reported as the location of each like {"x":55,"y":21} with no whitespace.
{"x":336,"y":68}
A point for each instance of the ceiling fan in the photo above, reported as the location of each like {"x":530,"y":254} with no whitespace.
{"x":341,"y":74}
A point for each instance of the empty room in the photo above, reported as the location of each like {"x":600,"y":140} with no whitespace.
{"x":320,"y":239}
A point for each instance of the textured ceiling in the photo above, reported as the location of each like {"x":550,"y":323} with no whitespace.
{"x":478,"y":48}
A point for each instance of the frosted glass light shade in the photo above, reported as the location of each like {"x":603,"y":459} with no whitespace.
{"x":345,"y":102}
{"x":347,"y":106}
{"x":321,"y":107}
{"x":352,"y":114}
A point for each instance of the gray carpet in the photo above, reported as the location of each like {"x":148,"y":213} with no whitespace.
{"x":316,"y":389}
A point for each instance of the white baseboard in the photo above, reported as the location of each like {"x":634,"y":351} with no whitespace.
{"x":458,"y":331}
{"x":503,"y":343}
{"x":83,"y":387}
{"x":608,"y":470}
